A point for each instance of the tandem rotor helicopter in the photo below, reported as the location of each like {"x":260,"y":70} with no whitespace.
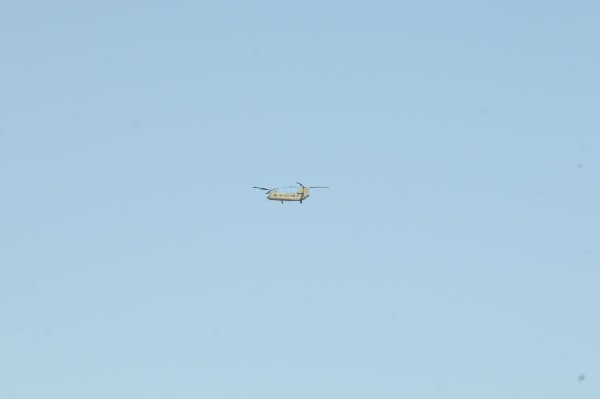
{"x":300,"y":195}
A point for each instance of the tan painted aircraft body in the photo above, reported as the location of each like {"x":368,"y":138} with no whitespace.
{"x":300,"y":195}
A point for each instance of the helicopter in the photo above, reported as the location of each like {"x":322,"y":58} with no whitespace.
{"x":300,"y":195}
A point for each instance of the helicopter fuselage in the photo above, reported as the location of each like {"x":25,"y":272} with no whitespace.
{"x":300,"y":195}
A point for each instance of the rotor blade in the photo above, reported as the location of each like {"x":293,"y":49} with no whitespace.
{"x":300,"y":184}
{"x":262,"y":188}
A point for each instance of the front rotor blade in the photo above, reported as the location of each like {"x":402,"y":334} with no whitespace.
{"x":262,"y":188}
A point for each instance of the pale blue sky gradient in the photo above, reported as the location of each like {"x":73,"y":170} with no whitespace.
{"x":456,"y":255}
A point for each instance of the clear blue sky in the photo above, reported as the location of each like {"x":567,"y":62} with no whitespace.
{"x":456,"y":255}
